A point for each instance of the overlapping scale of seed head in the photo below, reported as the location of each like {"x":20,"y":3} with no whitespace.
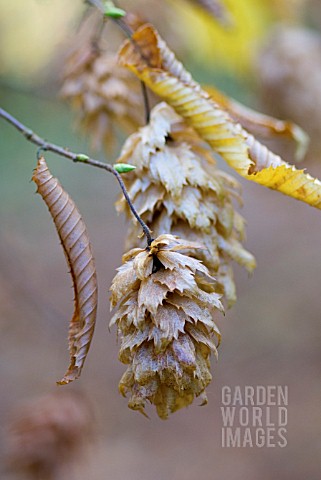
{"x":104,"y":94}
{"x":177,"y":188}
{"x":165,"y":301}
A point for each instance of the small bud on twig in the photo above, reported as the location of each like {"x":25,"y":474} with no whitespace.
{"x":123,"y":167}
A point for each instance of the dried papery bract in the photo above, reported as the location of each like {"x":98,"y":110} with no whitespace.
{"x":165,"y":301}
{"x":105,"y":95}
{"x":168,"y":79}
{"x":177,"y":189}
{"x":77,"y":248}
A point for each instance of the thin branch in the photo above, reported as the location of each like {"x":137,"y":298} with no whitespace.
{"x":145,"y":228}
{"x":146,"y":101}
{"x":129,"y":33}
{"x":127,"y":30}
{"x":77,"y":158}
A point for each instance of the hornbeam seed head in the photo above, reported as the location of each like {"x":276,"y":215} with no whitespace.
{"x":165,"y":300}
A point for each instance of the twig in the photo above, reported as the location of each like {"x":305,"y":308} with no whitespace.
{"x":145,"y":228}
{"x":146,"y":101}
{"x":127,"y":30}
{"x":77,"y":158}
{"x":129,"y":33}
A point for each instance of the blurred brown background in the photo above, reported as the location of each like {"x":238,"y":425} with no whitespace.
{"x":272,"y":335}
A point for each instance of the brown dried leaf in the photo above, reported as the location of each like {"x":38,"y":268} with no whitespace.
{"x":75,"y":242}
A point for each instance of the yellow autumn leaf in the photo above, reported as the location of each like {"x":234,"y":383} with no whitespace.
{"x":290,"y":181}
{"x":160,"y":70}
{"x":230,"y":49}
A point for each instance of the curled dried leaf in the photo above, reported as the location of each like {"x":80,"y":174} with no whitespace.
{"x":75,"y":242}
{"x":239,"y":149}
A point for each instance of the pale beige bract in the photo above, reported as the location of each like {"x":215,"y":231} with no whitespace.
{"x":165,"y":301}
{"x":105,"y":95}
{"x":177,"y":189}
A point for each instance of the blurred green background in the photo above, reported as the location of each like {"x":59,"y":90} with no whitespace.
{"x":272,"y":335}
